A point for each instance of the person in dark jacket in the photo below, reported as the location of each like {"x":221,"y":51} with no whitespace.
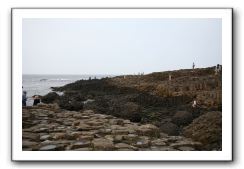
{"x":37,"y":100}
{"x":24,"y":98}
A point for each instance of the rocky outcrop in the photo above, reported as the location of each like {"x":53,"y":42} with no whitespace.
{"x":206,"y":129}
{"x":182,"y":118}
{"x":149,"y":99}
{"x":68,"y":103}
{"x":170,"y":128}
{"x":53,"y":129}
{"x":50,"y":97}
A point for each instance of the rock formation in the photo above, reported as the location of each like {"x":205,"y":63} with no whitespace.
{"x":150,"y":99}
{"x":49,"y":128}
{"x":206,"y":129}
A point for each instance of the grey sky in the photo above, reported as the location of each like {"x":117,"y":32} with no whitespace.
{"x":119,"y":46}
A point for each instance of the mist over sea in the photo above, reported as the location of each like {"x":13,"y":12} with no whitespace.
{"x":41,"y":84}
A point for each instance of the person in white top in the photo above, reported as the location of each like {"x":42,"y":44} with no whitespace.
{"x":194,"y":104}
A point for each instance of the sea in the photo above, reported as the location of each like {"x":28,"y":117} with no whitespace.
{"x":41,"y":84}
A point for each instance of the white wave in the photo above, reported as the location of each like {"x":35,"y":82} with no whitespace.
{"x":59,"y":79}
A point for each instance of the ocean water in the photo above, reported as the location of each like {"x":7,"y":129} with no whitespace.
{"x":41,"y":84}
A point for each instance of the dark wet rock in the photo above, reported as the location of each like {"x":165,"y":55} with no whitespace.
{"x":127,"y":110}
{"x":170,"y":128}
{"x":182,"y":118}
{"x":50,"y":97}
{"x":73,"y":105}
{"x":206,"y":129}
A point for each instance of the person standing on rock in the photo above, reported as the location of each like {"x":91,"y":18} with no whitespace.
{"x":37,"y":100}
{"x":194,"y":104}
{"x":195,"y":108}
{"x":169,"y":77}
{"x":193,"y":66}
{"x":24,"y":97}
{"x":216,"y":70}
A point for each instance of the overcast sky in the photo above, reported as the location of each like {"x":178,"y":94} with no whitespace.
{"x":119,"y":46}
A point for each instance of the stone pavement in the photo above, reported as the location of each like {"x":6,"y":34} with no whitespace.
{"x":48,"y":128}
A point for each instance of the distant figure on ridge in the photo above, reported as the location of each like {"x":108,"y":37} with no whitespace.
{"x":193,"y":66}
{"x":169,"y":77}
{"x":220,"y":67}
{"x":24,"y":97}
{"x":217,"y":69}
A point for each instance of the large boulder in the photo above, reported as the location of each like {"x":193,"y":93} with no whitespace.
{"x":50,"y":97}
{"x":69,"y":104}
{"x":127,"y":110}
{"x":170,"y":128}
{"x":133,"y":111}
{"x":182,"y":118}
{"x":206,"y":129}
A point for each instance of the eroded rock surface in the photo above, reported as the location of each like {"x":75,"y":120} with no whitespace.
{"x":48,"y":128}
{"x":207,"y":129}
{"x":126,"y":103}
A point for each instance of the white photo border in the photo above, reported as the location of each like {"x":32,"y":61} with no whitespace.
{"x":18,"y":14}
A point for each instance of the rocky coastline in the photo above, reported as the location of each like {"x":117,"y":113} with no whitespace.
{"x":131,"y":113}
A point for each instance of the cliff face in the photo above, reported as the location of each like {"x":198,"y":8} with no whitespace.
{"x":152,"y":98}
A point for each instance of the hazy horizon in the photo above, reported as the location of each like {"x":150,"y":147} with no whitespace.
{"x":116,"y":74}
{"x":119,"y":46}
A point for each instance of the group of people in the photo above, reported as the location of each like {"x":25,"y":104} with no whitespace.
{"x":217,"y":69}
{"x":36,"y":99}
